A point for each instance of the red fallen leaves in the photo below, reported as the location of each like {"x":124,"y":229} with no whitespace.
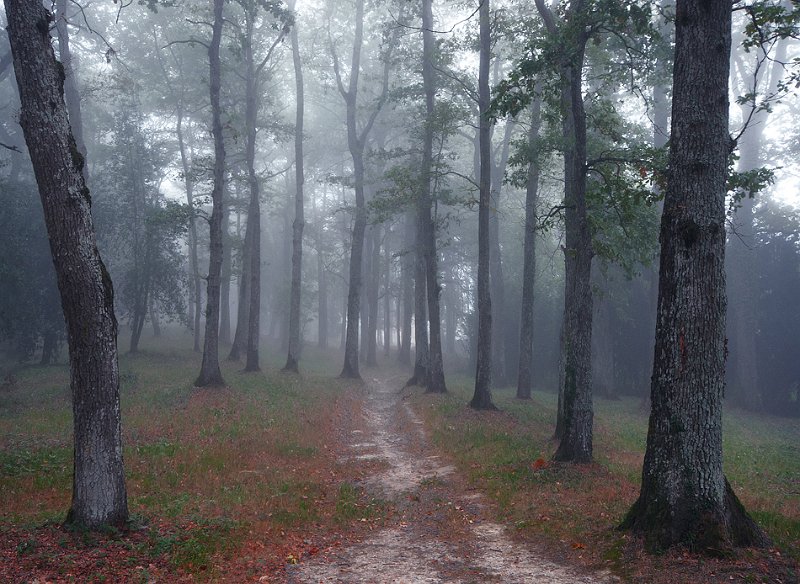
{"x":539,"y":464}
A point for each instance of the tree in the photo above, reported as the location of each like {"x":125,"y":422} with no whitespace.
{"x":482,"y":397}
{"x":524,"y":374}
{"x":98,"y":489}
{"x":684,"y":497}
{"x":426,"y":227}
{"x":210,"y":374}
{"x":356,"y":142}
{"x":293,"y":357}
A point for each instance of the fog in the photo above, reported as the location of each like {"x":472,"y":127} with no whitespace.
{"x":139,"y":78}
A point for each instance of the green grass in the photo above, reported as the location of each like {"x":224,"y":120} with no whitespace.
{"x":211,"y":463}
{"x":498,"y":451}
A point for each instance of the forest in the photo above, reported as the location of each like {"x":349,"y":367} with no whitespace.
{"x":390,"y":291}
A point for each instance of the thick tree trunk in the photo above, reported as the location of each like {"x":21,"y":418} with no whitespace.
{"x":684,"y":497}
{"x":98,"y":495}
{"x":482,"y":398}
{"x":210,"y":374}
{"x":293,"y":357}
{"x":525,"y":373}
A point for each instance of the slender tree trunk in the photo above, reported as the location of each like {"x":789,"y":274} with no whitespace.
{"x":387,"y":297}
{"x":525,"y":373}
{"x":436,"y":382}
{"x":372,"y":294}
{"x":49,"y":347}
{"x":194,"y":263}
{"x":293,"y":356}
{"x":500,"y":364}
{"x":407,"y":283}
{"x":576,"y":439}
{"x":254,"y":209}
{"x":71,"y":94}
{"x":366,"y":271}
{"x":356,"y":141}
{"x":243,"y":306}
{"x":482,"y":398}
{"x":225,"y":286}
{"x":421,"y":346}
{"x":685,"y":498}
{"x":210,"y":374}
{"x":743,"y":376}
{"x":87,"y":298}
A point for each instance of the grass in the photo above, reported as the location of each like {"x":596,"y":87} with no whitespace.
{"x":507,"y":455}
{"x":204,"y":467}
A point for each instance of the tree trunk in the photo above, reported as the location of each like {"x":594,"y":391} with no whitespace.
{"x":525,"y":373}
{"x":356,"y":141}
{"x":427,"y":225}
{"x":293,"y":357}
{"x":576,"y":439}
{"x":71,"y":94}
{"x":421,"y":346}
{"x":210,"y":374}
{"x":194,"y":263}
{"x":500,"y":364}
{"x":243,"y":306}
{"x":98,"y":488}
{"x":225,"y":285}
{"x":407,"y":294}
{"x":482,"y":398}
{"x":254,"y":208}
{"x":685,"y":498}
{"x":372,"y":294}
{"x":387,"y":297}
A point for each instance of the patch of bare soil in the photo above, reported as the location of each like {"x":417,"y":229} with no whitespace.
{"x":440,"y":531}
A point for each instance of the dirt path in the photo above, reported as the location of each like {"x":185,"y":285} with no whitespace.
{"x":440,"y":532}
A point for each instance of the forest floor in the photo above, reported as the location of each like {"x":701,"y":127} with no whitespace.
{"x":294,"y":479}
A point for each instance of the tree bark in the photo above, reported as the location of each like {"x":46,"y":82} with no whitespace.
{"x":98,"y":488}
{"x":684,"y":497}
{"x":293,"y":357}
{"x":482,"y":397}
{"x":525,"y":372}
{"x":210,"y":374}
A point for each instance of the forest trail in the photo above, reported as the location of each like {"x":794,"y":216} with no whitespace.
{"x":441,"y":532}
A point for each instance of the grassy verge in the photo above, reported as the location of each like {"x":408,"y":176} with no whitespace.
{"x":210,"y":472}
{"x":575,"y":509}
